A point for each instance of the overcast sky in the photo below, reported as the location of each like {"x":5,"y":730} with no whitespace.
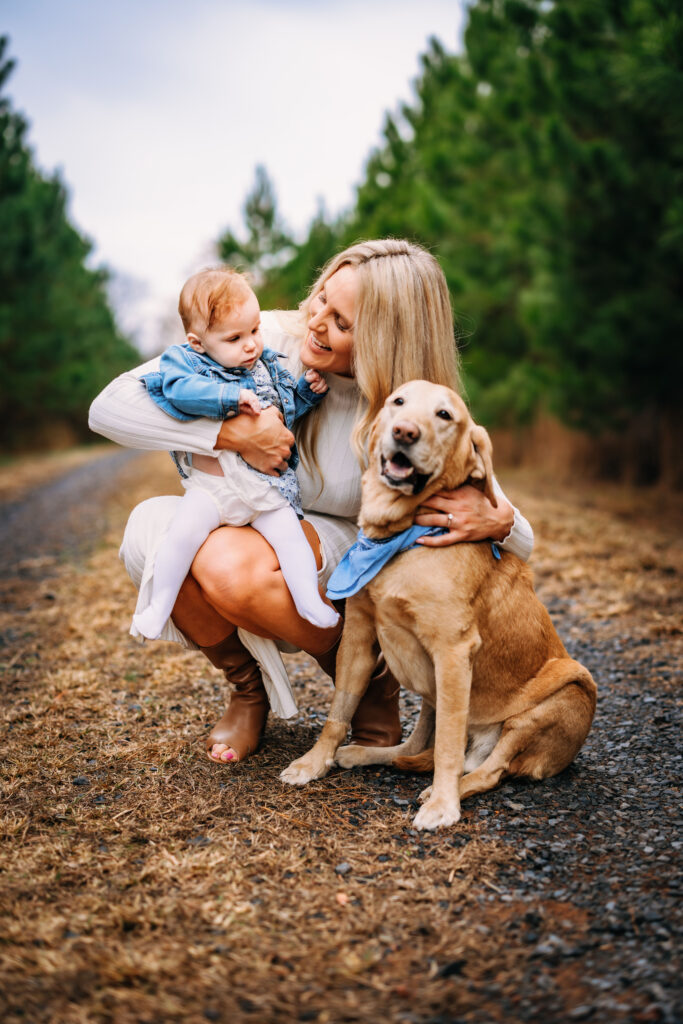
{"x":156,"y":113}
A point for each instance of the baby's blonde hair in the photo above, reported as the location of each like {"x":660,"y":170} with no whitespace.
{"x":403,"y":328}
{"x":209,"y":296}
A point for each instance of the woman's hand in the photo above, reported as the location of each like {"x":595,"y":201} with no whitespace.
{"x":262,"y":441}
{"x":467,"y":514}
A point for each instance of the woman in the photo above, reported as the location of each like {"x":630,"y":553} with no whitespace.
{"x":378,"y":315}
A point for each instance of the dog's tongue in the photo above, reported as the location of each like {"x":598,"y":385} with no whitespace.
{"x":398,"y":470}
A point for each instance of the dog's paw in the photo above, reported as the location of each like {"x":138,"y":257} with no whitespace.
{"x":304,"y":770}
{"x":425,"y":794}
{"x":351,"y":756}
{"x":437,"y":813}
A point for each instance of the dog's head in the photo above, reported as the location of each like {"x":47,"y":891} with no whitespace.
{"x":424,"y":440}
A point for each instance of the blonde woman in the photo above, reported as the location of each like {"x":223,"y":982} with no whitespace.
{"x":378,"y":315}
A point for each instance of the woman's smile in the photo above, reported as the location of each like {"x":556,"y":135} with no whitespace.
{"x":316,"y":343}
{"x":328,"y":346}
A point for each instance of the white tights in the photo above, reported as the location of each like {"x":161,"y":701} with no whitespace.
{"x":196,"y":517}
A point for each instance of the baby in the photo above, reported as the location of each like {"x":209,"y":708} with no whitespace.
{"x":222,"y":370}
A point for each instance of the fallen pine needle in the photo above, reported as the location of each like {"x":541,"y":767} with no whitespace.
{"x":492,"y":886}
{"x":294,"y":821}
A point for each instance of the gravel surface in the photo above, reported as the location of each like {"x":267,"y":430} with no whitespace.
{"x":549,"y":902}
{"x":61,"y":519}
{"x":592,"y":894}
{"x":604,"y":839}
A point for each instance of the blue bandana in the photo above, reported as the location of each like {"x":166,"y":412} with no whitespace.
{"x":366,"y":557}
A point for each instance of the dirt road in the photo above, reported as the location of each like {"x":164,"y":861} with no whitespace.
{"x":43,"y":524}
{"x":141,"y":883}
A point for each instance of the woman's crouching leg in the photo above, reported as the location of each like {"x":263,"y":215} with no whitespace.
{"x":235,"y":581}
{"x":240,"y":728}
{"x":239,"y":575}
{"x":239,"y":731}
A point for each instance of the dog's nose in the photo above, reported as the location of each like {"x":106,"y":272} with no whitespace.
{"x":405,"y":432}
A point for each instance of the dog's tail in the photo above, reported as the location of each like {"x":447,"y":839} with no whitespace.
{"x":423,"y":762}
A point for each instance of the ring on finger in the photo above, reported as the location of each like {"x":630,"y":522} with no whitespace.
{"x":449,"y":520}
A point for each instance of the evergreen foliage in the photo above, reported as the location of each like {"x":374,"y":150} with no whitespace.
{"x":58,"y":341}
{"x":544,"y":167}
{"x":280,"y":269}
{"x":268,"y":245}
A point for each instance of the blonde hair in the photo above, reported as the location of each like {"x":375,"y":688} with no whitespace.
{"x":403,"y":329}
{"x":211,"y":295}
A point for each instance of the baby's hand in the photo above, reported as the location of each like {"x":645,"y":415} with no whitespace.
{"x":316,"y":383}
{"x":248,"y":402}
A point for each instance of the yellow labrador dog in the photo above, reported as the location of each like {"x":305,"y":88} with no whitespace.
{"x":500,"y":695}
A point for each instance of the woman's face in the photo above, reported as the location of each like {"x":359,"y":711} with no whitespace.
{"x":332,"y":314}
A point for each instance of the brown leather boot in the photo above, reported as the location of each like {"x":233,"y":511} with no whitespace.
{"x":244,"y":721}
{"x":328,"y":660}
{"x":376,"y":722}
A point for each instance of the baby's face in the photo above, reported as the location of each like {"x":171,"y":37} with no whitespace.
{"x":234,"y":341}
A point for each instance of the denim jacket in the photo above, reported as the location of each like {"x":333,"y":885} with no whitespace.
{"x":191,"y":384}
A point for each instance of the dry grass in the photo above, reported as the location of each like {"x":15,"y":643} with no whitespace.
{"x":140,"y":883}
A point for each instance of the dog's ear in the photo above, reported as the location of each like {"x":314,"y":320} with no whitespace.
{"x":373,"y":437}
{"x":483,"y":463}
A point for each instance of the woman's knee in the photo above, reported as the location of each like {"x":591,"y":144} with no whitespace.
{"x":234,"y":567}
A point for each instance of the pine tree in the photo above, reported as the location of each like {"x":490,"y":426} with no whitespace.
{"x":58,"y":341}
{"x":607,"y":96}
{"x":268,"y":244}
{"x":543,"y":167}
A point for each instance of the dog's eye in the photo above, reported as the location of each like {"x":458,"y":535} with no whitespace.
{"x":399,"y":401}
{"x":444,"y":414}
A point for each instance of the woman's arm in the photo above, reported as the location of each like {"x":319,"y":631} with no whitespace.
{"x":124,"y":413}
{"x":475,"y":518}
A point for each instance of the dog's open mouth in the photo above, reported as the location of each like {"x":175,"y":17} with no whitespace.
{"x":398,"y":471}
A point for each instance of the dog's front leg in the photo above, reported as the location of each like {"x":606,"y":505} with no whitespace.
{"x":453,"y":670}
{"x":355,"y":662}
